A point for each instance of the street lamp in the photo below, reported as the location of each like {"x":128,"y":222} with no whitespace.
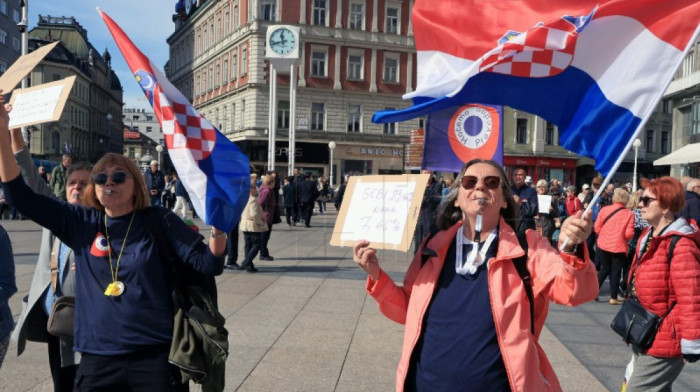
{"x":331,"y":146}
{"x":159,"y":148}
{"x":636,"y":145}
{"x":137,"y":158}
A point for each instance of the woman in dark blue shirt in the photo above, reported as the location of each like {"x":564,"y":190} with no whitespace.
{"x":124,"y":315}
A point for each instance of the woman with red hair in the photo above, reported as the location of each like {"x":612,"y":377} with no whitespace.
{"x":664,"y":287}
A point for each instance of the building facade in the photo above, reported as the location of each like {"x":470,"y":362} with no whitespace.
{"x":357,"y":57}
{"x":10,"y":35}
{"x":142,"y":136}
{"x":682,"y":99}
{"x":90,"y":124}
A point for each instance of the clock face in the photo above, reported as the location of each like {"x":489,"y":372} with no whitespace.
{"x":282,"y":41}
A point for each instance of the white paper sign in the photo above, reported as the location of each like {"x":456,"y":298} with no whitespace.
{"x":544,"y":202}
{"x":40,"y":104}
{"x":381,"y":209}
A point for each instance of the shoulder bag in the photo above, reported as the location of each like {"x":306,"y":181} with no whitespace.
{"x":62,"y":317}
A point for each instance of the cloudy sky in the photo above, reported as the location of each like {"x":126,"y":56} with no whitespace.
{"x":147,"y":22}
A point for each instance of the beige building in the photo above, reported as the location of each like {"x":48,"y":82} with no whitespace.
{"x":90,"y":124}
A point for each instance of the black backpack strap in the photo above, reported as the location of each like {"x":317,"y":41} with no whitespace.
{"x":154,"y":226}
{"x":520,"y":264}
{"x":427,"y":252}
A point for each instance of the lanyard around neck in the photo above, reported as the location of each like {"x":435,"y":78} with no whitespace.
{"x":476,"y":256}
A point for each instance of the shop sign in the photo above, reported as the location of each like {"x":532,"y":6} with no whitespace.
{"x":284,"y":151}
{"x":378,"y":152}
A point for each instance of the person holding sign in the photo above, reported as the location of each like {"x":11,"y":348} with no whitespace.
{"x":464,"y":299}
{"x":123,"y":310}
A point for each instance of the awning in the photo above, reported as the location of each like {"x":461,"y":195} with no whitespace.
{"x":682,"y":156}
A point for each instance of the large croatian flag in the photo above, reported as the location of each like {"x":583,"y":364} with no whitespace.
{"x":214,"y":171}
{"x":596,"y":69}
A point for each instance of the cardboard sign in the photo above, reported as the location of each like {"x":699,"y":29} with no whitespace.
{"x":381,"y":209}
{"x":22,"y":67}
{"x":40,"y":104}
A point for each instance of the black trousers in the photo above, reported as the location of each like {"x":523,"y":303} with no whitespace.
{"x":146,"y":370}
{"x":232,"y":246}
{"x":611,"y":265}
{"x":307,"y":212}
{"x":264,"y":239}
{"x":252,"y":242}
{"x":289,"y":213}
{"x":63,"y":377}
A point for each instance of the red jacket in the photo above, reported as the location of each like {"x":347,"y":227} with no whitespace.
{"x":614,"y":236}
{"x":657,"y":286}
{"x":557,"y":277}
{"x":573,"y":205}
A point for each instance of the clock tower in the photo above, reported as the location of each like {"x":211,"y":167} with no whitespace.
{"x":282,"y":51}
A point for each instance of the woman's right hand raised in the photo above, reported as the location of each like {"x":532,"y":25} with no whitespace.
{"x":366,"y":258}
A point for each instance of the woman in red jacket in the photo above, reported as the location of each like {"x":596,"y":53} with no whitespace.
{"x":660,"y":286}
{"x":615,"y":227}
{"x":467,"y":317}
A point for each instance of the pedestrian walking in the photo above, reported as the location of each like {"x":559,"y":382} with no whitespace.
{"x":463,"y":332}
{"x":526,"y":198}
{"x":155,"y":183}
{"x":252,"y":225}
{"x":268,"y":202}
{"x":308,"y":193}
{"x":289,"y":200}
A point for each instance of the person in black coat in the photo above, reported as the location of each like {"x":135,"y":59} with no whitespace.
{"x":526,"y":198}
{"x":341,"y":193}
{"x":428,"y":208}
{"x":308,"y":193}
{"x":289,"y":200}
{"x":298,"y":179}
{"x":692,"y":201}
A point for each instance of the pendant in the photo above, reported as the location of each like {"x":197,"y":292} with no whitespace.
{"x":115,"y":289}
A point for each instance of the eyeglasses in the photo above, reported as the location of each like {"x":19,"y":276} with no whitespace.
{"x":646,"y":200}
{"x":491,"y":182}
{"x":118,"y":177}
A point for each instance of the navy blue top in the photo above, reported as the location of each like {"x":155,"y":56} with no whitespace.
{"x":7,"y":284}
{"x":143,"y":315}
{"x":458,"y":350}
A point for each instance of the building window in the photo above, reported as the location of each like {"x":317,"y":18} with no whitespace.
{"x":149,"y":129}
{"x":391,"y":69}
{"x":320,"y":12}
{"x":664,"y":142}
{"x":688,"y":65}
{"x":244,"y":61}
{"x":16,"y":16}
{"x":3,"y":65}
{"x":283,"y":115}
{"x":389,"y":128}
{"x":243,"y":114}
{"x":136,"y":128}
{"x":3,"y":36}
{"x":695,"y":120}
{"x":3,"y":6}
{"x":392,"y":20}
{"x":318,"y":111}
{"x":235,"y":17}
{"x":549,"y":133}
{"x":225,"y":74}
{"x":357,"y":16}
{"x":318,"y":63}
{"x":211,"y":78}
{"x":354,"y":118}
{"x":268,"y":10}
{"x":521,"y":131}
{"x":355,"y":66}
{"x":650,"y":140}
{"x":217,"y":81}
{"x":16,"y":44}
{"x":234,"y":66}
{"x":197,"y":86}
{"x":205,"y":42}
{"x":227,"y":22}
{"x":233,"y":116}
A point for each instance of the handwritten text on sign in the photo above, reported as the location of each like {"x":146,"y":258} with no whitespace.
{"x":379,"y":211}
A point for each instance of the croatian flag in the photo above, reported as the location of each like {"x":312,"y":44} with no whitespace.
{"x":596,"y":69}
{"x":455,"y":136}
{"x":215,"y":173}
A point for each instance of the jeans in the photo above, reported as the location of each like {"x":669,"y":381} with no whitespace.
{"x":264,"y":239}
{"x":252,"y":242}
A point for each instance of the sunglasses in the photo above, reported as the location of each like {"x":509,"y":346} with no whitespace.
{"x":118,"y":177}
{"x":646,"y":200}
{"x":491,"y":182}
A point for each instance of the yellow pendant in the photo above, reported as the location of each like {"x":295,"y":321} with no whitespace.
{"x":115,"y":289}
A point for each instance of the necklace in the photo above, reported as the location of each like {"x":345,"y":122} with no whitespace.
{"x":116,"y":288}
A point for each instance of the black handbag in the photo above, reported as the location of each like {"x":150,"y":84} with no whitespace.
{"x":62,"y":317}
{"x":636,"y":325}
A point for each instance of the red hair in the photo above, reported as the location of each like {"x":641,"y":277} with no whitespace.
{"x":668,"y":191}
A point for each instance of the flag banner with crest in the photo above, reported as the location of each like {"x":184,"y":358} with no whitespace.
{"x":596,"y":69}
{"x":457,"y":135}
{"x":215,"y":173}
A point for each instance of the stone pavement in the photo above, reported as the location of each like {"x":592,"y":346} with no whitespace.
{"x":302,"y":323}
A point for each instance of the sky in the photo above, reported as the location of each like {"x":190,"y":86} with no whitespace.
{"x":147,"y":22}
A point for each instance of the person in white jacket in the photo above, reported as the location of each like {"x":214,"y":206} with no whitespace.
{"x":252,"y":225}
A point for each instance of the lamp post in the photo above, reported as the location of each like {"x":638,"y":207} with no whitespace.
{"x":636,"y":145}
{"x":23,"y":27}
{"x":137,"y":158}
{"x":331,"y":147}
{"x":159,"y":148}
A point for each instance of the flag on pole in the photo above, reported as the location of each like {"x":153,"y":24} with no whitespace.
{"x":457,"y":135}
{"x":595,"y":68}
{"x":215,"y":173}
